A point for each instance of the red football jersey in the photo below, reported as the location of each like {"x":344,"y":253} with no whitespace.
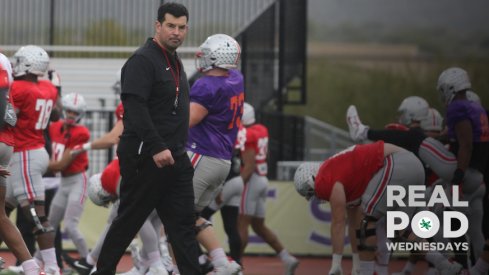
{"x":34,"y":102}
{"x":257,"y":139}
{"x":68,"y":138}
{"x":111,"y":177}
{"x":353,"y":167}
{"x":119,"y":111}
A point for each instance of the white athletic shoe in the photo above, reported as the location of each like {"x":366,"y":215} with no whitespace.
{"x":167,"y":262}
{"x":157,"y":271}
{"x":165,"y":255}
{"x":358,"y":131}
{"x":135,"y":254}
{"x":52,"y":271}
{"x":290,"y":265}
{"x":17,"y":269}
{"x":231,"y":268}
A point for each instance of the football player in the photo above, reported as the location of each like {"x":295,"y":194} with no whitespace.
{"x":34,"y":100}
{"x":254,"y":175}
{"x":8,"y":231}
{"x":68,"y":202}
{"x":468,"y":133}
{"x":216,"y":106}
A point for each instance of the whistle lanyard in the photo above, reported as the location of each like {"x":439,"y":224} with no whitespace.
{"x":175,"y":76}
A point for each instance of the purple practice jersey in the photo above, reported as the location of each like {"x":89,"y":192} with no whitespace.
{"x":460,"y":110}
{"x":223,"y":97}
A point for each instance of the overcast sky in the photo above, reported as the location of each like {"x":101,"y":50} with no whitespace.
{"x":458,"y":15}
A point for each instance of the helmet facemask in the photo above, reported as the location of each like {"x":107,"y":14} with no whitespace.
{"x":310,"y":191}
{"x":305,"y":178}
{"x":74,"y":108}
{"x":71,"y":117}
{"x":452,"y":81}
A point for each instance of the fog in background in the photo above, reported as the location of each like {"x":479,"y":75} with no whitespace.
{"x":436,"y":26}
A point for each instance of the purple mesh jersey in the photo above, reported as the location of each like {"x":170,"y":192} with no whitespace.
{"x":223,"y":97}
{"x":460,"y":110}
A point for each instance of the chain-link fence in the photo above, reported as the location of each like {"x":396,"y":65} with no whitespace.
{"x":115,"y":22}
{"x":99,"y":122}
{"x":90,"y":39}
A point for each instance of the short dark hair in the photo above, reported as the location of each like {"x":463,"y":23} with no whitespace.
{"x":175,"y":9}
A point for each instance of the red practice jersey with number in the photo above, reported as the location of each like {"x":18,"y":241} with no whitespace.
{"x":34,"y":102}
{"x":63,"y":138}
{"x":257,"y":139}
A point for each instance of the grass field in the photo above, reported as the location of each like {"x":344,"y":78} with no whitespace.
{"x":378,"y":85}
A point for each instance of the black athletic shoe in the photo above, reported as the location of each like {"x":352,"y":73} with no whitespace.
{"x":207,"y":266}
{"x":81,"y":266}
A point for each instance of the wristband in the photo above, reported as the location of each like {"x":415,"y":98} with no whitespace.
{"x":87,"y":146}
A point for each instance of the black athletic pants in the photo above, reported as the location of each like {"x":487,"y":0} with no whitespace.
{"x":145,"y":187}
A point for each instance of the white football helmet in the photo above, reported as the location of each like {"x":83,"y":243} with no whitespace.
{"x":97,"y":193}
{"x":304,"y":178}
{"x":30,"y":59}
{"x":472,"y":96}
{"x":76,"y":103}
{"x":412,"y":108}
{"x":218,"y":51}
{"x":5,"y":65}
{"x":452,"y":81}
{"x":433,"y":121}
{"x":248,"y":117}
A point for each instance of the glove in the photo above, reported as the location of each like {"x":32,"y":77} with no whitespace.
{"x":108,"y":200}
{"x":335,"y":270}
